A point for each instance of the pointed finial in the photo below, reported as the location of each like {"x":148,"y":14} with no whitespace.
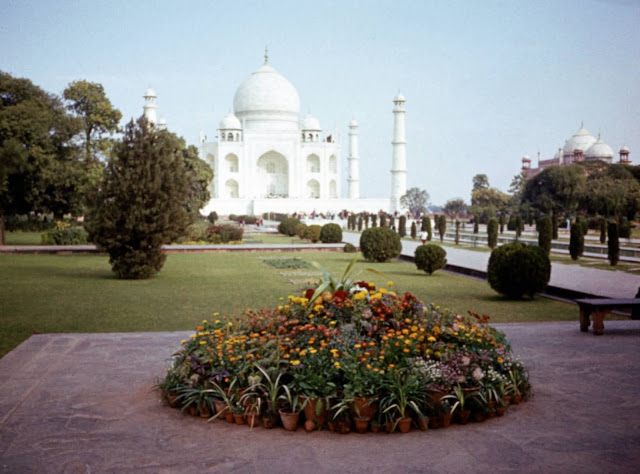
{"x":266,"y":55}
{"x":582,"y":124}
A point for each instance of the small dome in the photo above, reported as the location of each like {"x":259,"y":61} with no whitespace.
{"x":599,"y":151}
{"x":230,"y":122}
{"x":150,"y":93}
{"x":526,"y":158}
{"x":624,"y":149}
{"x":581,"y":140}
{"x":311,"y":123}
{"x":399,"y":97}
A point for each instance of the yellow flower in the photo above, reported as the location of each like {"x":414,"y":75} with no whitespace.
{"x":360,"y":295}
{"x":216,"y":315}
{"x":336,"y":364}
{"x":389,"y":283}
{"x":295,"y":362}
{"x":357,"y":346}
{"x":202,"y":343}
{"x":192,"y":336}
{"x":204,"y":321}
{"x":405,"y":350}
{"x":184,"y":341}
{"x":431,"y":339}
{"x":332,"y":323}
{"x":382,"y":291}
{"x":500,"y":360}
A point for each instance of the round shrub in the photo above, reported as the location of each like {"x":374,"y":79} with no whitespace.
{"x":301,"y":230}
{"x":516,"y":270}
{"x":289,"y":226}
{"x":312,"y":233}
{"x":331,"y":233}
{"x":380,"y":244}
{"x":430,"y":257}
{"x":350,"y":248}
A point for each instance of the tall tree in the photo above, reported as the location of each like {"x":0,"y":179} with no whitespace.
{"x":480,"y":181}
{"x":454,"y":207}
{"x":142,"y":203}
{"x":89,"y":103}
{"x":416,"y":200}
{"x":557,"y":189}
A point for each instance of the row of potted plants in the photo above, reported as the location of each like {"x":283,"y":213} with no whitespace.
{"x":349,"y":355}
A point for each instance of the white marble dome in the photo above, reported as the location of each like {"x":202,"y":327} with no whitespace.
{"x":311,"y":123}
{"x":581,"y":140}
{"x":230,"y":122}
{"x":267,"y":100}
{"x":599,"y":151}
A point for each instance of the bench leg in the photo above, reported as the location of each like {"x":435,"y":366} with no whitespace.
{"x":584,"y":321}
{"x":598,"y":322}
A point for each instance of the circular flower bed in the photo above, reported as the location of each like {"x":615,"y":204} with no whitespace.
{"x":350,"y":356}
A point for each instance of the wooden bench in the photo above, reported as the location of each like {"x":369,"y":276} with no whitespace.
{"x":596,"y":308}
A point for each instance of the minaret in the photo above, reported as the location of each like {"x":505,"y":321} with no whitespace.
{"x":399,"y":161}
{"x":354,"y":165}
{"x":150,"y":108}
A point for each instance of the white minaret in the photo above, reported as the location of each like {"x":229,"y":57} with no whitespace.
{"x":399,"y":161}
{"x":150,"y":108}
{"x":354,"y":165}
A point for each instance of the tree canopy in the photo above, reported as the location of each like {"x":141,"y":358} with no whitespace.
{"x":454,"y":207}
{"x":480,"y":181}
{"x":556,"y":190}
{"x":416,"y":200}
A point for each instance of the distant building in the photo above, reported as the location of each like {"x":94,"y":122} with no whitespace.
{"x":582,"y":146}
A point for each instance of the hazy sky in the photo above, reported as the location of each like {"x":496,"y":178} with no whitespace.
{"x":486,"y":82}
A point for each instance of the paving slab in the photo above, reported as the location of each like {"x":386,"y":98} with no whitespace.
{"x":85,"y":403}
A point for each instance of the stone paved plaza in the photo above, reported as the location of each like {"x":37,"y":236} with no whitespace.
{"x":84,"y":403}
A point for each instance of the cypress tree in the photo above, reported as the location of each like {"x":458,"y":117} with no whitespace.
{"x":142,"y":202}
{"x":402,"y":226}
{"x":366,"y":221}
{"x":501,"y":222}
{"x":476,"y":222}
{"x":624,"y":228}
{"x":428,"y":228}
{"x":613,"y":243}
{"x":442,"y":226}
{"x":457,"y":232}
{"x":414,"y":230}
{"x":423,"y":223}
{"x":545,"y":233}
{"x":519,"y":226}
{"x":576,"y":241}
{"x":603,"y":230}
{"x":492,"y":232}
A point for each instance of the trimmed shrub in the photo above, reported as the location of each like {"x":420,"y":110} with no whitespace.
{"x":392,"y":221}
{"x":516,"y":270}
{"x":331,"y":233}
{"x":360,"y":224}
{"x":476,"y":223}
{"x":289,"y":226}
{"x":501,"y":221}
{"x":350,"y":248}
{"x":366,"y":221}
{"x":225,"y":233}
{"x":492,"y":232}
{"x":545,"y":233}
{"x":380,"y":244}
{"x":576,"y":241}
{"x":554,"y":225}
{"x":442,"y":226}
{"x":584,"y":225}
{"x":312,"y":233}
{"x":301,"y":230}
{"x":624,"y":228}
{"x":457,"y":232}
{"x":511,"y":224}
{"x":613,"y":244}
{"x":65,"y":236}
{"x":430,"y":257}
{"x":603,"y":230}
{"x":402,"y":226}
{"x":414,"y":230}
{"x":519,"y":226}
{"x":212,"y":217}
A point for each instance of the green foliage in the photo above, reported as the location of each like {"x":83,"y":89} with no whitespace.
{"x":556,"y":189}
{"x":359,"y":223}
{"x":301,"y":230}
{"x":199,"y":174}
{"x":294,"y":263}
{"x":383,"y":220}
{"x":414,"y":230}
{"x":312,"y":233}
{"x":476,"y":223}
{"x":584,"y":224}
{"x":519,"y":226}
{"x":576,"y":241}
{"x":415,"y":200}
{"x":289,"y":226}
{"x":492,"y":233}
{"x":511,"y":224}
{"x":442,"y":226}
{"x":65,"y":236}
{"x":516,"y":270}
{"x":501,"y":221}
{"x":349,"y":248}
{"x":380,"y":244}
{"x":454,"y":207}
{"x":222,"y":234}
{"x":212,"y":217}
{"x":426,"y":226}
{"x":392,"y":222}
{"x":457,"y":232}
{"x":331,"y":233}
{"x":545,"y":233}
{"x":430,"y":257}
{"x":603,"y":230}
{"x":624,"y":228}
{"x":374,"y":220}
{"x":480,"y":181}
{"x":554,"y":225}
{"x":402,"y":226}
{"x":142,"y":202}
{"x":613,"y":244}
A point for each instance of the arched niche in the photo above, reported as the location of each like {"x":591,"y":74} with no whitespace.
{"x":313,"y":189}
{"x":333,"y":189}
{"x":231,"y":163}
{"x":313,"y":164}
{"x":273,"y":169}
{"x":333,"y":164}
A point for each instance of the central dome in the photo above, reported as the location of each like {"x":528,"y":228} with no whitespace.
{"x":267,"y":100}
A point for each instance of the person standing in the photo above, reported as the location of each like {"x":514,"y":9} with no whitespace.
{"x":423,"y":237}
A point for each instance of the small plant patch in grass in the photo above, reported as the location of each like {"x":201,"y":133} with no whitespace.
{"x":291,"y":263}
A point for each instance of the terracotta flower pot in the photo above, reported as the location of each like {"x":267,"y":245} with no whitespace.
{"x":238,"y":418}
{"x":404,"y":424}
{"x":478,"y":417}
{"x":436,"y":396}
{"x":332,"y":426}
{"x":220,"y":407}
{"x":500,"y":410}
{"x":446,"y":420}
{"x":423,"y":423}
{"x":516,"y":399}
{"x":463,"y":416}
{"x":311,"y":411}
{"x":229,"y":416}
{"x":344,"y":427}
{"x":205,"y":412}
{"x":310,"y":426}
{"x":362,"y":424}
{"x":269,"y":421}
{"x":365,"y":407}
{"x":435,"y":422}
{"x":252,"y":419}
{"x":375,"y":428}
{"x":193,"y":410}
{"x":289,"y":420}
{"x":389,"y":427}
{"x":172,"y":399}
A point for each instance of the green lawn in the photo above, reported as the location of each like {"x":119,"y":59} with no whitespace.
{"x":78,"y":293}
{"x":23,"y":238}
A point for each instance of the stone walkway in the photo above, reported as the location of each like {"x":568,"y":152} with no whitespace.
{"x":84,"y":403}
{"x":605,"y":283}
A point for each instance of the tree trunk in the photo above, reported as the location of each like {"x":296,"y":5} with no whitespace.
{"x":2,"y":240}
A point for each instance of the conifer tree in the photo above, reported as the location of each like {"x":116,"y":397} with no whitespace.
{"x":613,"y":243}
{"x":414,"y":230}
{"x":603,"y":230}
{"x":442,"y":226}
{"x":492,"y":232}
{"x":142,"y":203}
{"x":545,"y":233}
{"x":402,"y":226}
{"x":428,"y":228}
{"x":576,"y":241}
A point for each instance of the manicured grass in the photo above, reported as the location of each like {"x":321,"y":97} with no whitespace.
{"x":78,"y":293}
{"x":23,"y":238}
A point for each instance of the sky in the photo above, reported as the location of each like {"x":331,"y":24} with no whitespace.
{"x":485,"y":82}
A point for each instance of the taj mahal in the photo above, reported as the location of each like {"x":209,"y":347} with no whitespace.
{"x":267,"y":159}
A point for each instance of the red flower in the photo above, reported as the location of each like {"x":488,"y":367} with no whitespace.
{"x":309,"y":293}
{"x":340,"y":295}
